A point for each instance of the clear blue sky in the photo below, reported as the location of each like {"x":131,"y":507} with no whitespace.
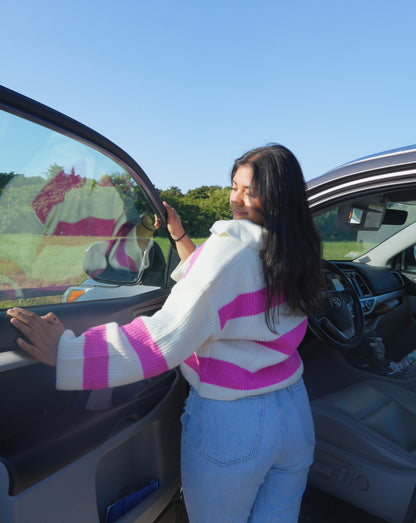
{"x":186,"y":86}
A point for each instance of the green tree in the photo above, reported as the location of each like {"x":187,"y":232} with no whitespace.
{"x":199,"y":208}
{"x":173,"y":194}
{"x":203,"y":192}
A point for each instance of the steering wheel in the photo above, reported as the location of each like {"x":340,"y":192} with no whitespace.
{"x":341,"y":321}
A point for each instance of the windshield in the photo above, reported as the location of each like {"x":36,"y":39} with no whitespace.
{"x":348,"y":231}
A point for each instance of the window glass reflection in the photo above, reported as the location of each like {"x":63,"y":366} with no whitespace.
{"x":73,"y":224}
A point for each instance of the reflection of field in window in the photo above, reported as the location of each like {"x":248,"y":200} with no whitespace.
{"x":34,"y":264}
{"x":345,"y":250}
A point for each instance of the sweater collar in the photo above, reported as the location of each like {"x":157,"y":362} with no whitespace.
{"x":244,"y":231}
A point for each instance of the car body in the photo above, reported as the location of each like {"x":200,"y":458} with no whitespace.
{"x":75,"y":238}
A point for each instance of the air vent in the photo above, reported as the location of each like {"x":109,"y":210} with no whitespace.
{"x":399,"y":278}
{"x":359,"y":284}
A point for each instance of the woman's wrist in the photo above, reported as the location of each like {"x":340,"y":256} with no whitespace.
{"x":181,"y":237}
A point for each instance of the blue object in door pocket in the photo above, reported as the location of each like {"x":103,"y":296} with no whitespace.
{"x":125,"y":504}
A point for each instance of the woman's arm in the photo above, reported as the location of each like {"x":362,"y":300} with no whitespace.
{"x":111,"y":355}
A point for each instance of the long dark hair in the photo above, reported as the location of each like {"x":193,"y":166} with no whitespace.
{"x":291,"y":252}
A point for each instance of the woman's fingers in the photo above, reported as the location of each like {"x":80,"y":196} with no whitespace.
{"x":22,"y":326}
{"x":27,"y":325}
{"x":23,"y":315}
{"x":29,"y":348}
{"x":52,"y":319}
{"x":43,"y":333}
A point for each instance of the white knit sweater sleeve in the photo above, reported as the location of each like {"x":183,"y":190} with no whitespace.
{"x":111,"y":355}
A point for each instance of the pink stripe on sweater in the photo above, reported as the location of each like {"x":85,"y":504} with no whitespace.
{"x":231,"y":376}
{"x":96,"y":359}
{"x":248,"y":304}
{"x":150,"y":355}
{"x":289,"y":341}
{"x":194,"y":257}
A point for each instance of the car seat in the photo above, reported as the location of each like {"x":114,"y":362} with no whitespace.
{"x":366,"y":448}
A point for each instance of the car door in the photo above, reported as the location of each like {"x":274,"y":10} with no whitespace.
{"x":77,"y":237}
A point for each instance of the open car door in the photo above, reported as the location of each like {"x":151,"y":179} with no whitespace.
{"x":77,"y":238}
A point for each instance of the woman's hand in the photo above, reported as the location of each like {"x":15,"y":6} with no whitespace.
{"x":174,"y":223}
{"x":184,"y":244}
{"x":42,"y":331}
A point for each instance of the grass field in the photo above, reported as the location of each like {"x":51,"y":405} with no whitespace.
{"x":164,"y":244}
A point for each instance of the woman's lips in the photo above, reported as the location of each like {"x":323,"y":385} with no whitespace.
{"x":239,"y":214}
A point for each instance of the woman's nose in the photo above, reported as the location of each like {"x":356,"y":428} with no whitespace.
{"x":238,"y":198}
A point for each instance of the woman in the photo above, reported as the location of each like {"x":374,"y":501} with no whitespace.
{"x":233,"y":321}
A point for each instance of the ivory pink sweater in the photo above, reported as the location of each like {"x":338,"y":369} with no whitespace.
{"x":212,"y":325}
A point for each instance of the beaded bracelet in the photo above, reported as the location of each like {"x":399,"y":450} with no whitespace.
{"x":180,"y":238}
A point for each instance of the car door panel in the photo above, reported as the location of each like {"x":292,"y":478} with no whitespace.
{"x":62,"y":435}
{"x":78,"y":481}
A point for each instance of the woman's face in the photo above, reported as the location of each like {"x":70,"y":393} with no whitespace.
{"x":244,"y":201}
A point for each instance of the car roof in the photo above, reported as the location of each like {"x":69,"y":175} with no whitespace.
{"x":395,"y":157}
{"x":390,"y":170}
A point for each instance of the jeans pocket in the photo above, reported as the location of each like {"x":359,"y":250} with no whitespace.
{"x":230,"y":431}
{"x":299,"y":397}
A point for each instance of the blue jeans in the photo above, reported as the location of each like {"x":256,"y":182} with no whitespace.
{"x":248,"y":459}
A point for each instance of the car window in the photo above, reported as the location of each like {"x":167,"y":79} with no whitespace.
{"x":74,"y":225}
{"x":341,"y":243}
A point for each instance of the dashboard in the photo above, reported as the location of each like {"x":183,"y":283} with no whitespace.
{"x":374,"y":286}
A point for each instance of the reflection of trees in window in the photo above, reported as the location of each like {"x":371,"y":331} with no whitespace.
{"x":5,"y":179}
